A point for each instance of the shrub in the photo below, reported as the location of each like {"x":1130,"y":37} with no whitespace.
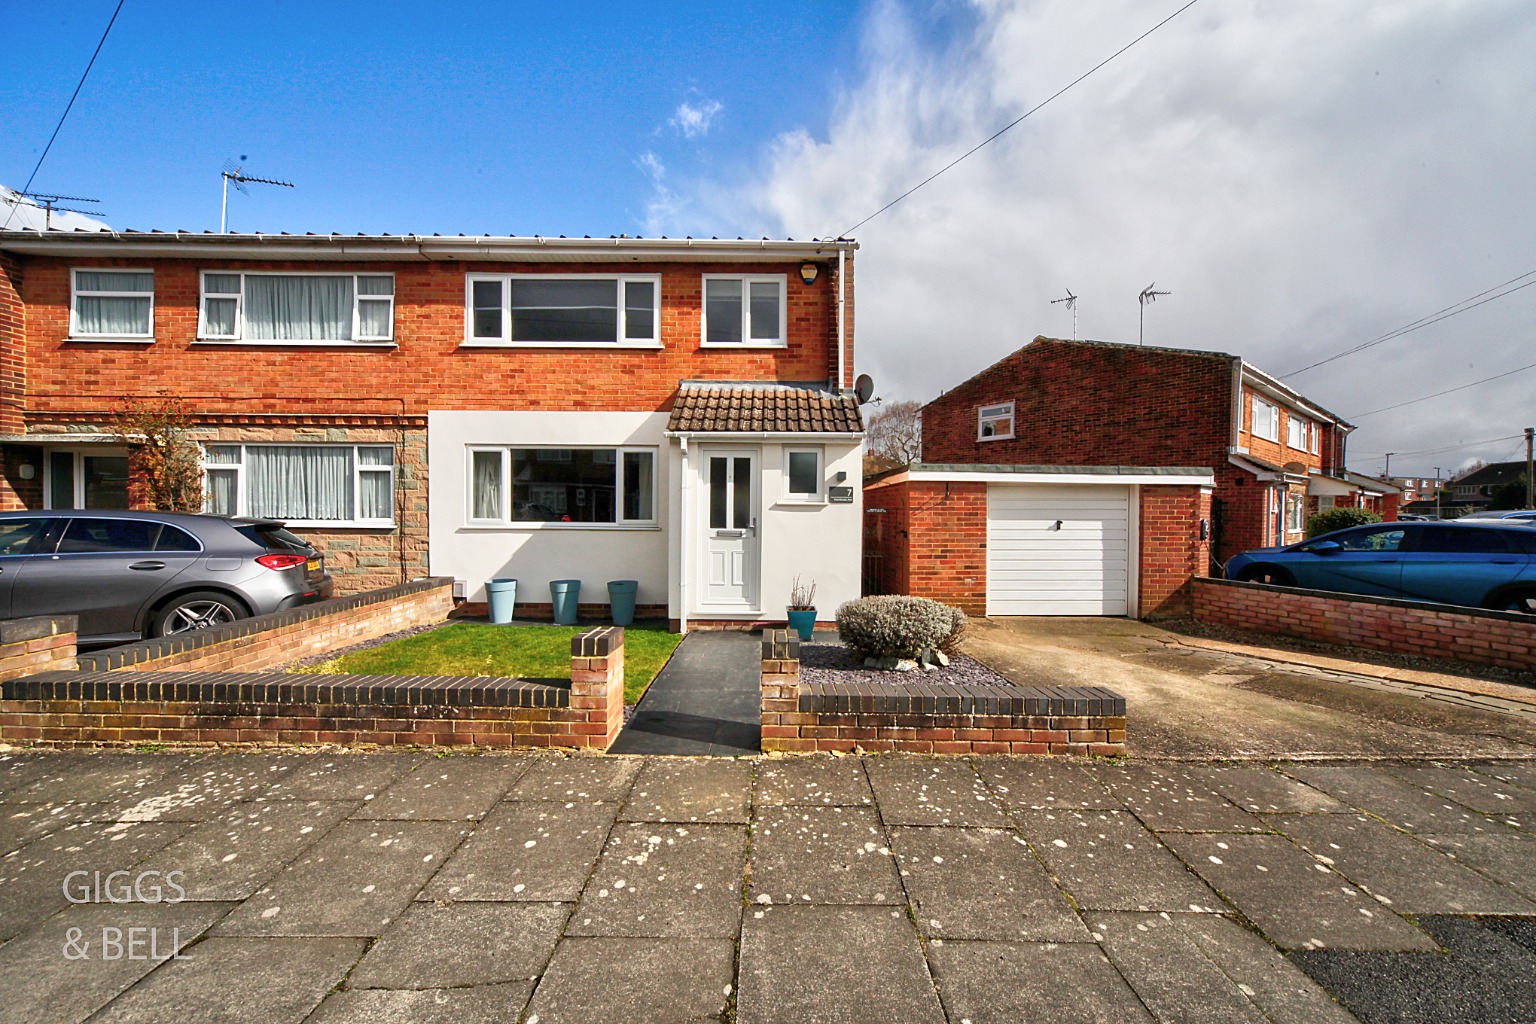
{"x":894,"y":626}
{"x":1330,"y":519}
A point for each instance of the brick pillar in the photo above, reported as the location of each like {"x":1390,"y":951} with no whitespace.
{"x":597,"y":688}
{"x":42,"y":643}
{"x":780,"y":681}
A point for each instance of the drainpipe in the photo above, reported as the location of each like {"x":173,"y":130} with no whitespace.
{"x":842,"y":294}
{"x":682,"y":544}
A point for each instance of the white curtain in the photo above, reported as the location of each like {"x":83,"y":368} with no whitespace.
{"x":115,"y":314}
{"x":298,"y":482}
{"x":219,"y":492}
{"x":487,"y":485}
{"x":298,"y":308}
{"x":375,"y":480}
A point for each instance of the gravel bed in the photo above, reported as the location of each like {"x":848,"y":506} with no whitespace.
{"x":834,"y":663}
{"x":378,"y":641}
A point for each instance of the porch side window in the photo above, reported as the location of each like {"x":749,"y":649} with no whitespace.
{"x":802,"y":474}
{"x":317,"y":308}
{"x":318,"y":484}
{"x":744,"y":310}
{"x":526,"y":309}
{"x":994,"y":421}
{"x":563,"y":485}
{"x":113,"y":304}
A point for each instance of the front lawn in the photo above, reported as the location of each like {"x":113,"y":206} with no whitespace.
{"x":523,"y":652}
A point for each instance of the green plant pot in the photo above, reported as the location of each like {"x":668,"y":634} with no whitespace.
{"x":501,"y":595}
{"x":564,"y":594}
{"x":621,"y":601}
{"x":803,"y":622}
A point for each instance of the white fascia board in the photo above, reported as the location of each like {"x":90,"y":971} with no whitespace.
{"x":789,"y":436}
{"x":963,"y":477}
{"x":1274,"y":388}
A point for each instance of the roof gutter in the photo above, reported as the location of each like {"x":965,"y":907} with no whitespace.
{"x":764,"y":435}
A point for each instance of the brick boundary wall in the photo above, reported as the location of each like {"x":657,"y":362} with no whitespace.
{"x":1505,"y":639}
{"x":41,"y":643}
{"x":913,"y":718}
{"x":270,"y":642}
{"x":118,"y":709}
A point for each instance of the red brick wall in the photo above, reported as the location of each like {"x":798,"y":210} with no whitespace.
{"x":1506,"y":639}
{"x":946,"y":544}
{"x":1276,"y":452}
{"x":885,"y":537}
{"x":13,"y":352}
{"x":1172,"y":553}
{"x":37,"y":644}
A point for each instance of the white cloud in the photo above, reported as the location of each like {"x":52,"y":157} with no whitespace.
{"x":694,"y":121}
{"x":1302,"y":177}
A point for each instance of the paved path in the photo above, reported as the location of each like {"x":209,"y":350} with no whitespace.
{"x":706,"y":700}
{"x":338,"y":887}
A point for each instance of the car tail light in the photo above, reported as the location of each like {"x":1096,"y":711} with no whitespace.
{"x":281,"y":561}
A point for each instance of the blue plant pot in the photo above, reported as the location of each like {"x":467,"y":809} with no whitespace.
{"x":501,"y":595}
{"x":621,"y":601}
{"x":803,"y":622}
{"x":564,"y":594}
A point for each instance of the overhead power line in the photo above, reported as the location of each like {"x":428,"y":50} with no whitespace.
{"x":67,"y":108}
{"x":1446,"y":448}
{"x":1017,"y":121}
{"x":1447,"y":391}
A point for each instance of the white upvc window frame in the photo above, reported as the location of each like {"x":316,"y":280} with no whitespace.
{"x":819,"y":495}
{"x":990,"y":416}
{"x":504,"y":497}
{"x":239,"y":470}
{"x":1297,"y":428}
{"x":1255,"y":403}
{"x":1316,"y":446}
{"x":747,"y":281}
{"x":1295,"y":513}
{"x":239,"y":338}
{"x":504,"y":340}
{"x":76,"y":293}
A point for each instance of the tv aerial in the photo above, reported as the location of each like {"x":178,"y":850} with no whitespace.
{"x":1071,"y":301}
{"x":1146,"y":298}
{"x":50,"y":203}
{"x":234,"y":172}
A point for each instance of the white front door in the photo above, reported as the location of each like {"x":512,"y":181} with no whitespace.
{"x":730,"y":529}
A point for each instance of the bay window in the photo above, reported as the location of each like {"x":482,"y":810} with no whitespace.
{"x":297,"y":308}
{"x":614,"y":486}
{"x":532,"y":309}
{"x":116,"y":304}
{"x":744,"y":310}
{"x":310,"y":484}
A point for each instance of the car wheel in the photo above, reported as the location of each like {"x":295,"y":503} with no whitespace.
{"x":197,"y":610}
{"x":1266,"y":574}
{"x":1517,"y":601}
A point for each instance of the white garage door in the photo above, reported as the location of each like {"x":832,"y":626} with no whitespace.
{"x":1057,"y":549}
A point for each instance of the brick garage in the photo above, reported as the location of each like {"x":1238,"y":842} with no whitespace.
{"x":928,"y":529}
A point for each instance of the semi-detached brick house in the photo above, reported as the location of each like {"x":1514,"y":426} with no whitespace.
{"x":672,"y":411}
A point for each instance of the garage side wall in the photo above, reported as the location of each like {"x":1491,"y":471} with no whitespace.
{"x":934,"y":541}
{"x":1172,"y":553}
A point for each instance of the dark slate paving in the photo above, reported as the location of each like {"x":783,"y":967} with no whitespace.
{"x":106,"y":777}
{"x":690,"y":790}
{"x":707,"y":700}
{"x":1486,"y":978}
{"x":1401,"y":872}
{"x":1038,"y":784}
{"x":980,"y":884}
{"x":1175,"y":798}
{"x":486,"y":1004}
{"x":580,"y":778}
{"x":833,"y":965}
{"x":1509,"y":802}
{"x":20,"y":770}
{"x":1263,"y":790}
{"x":239,"y":981}
{"x":1507,"y":859}
{"x":663,"y":881}
{"x":821,"y":855}
{"x":1107,"y":860}
{"x":926,"y":792}
{"x":1402,"y":804}
{"x":1296,"y":901}
{"x":813,"y":780}
{"x":526,"y":851}
{"x":462,"y":944}
{"x":1008,"y":982}
{"x":20,"y":824}
{"x":635,"y":981}
{"x":343,"y":776}
{"x":355,"y":881}
{"x":447,"y":789}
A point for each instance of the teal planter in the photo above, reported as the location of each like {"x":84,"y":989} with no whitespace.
{"x":621,"y":601}
{"x":803,"y":621}
{"x":501,"y":595}
{"x":564,"y":594}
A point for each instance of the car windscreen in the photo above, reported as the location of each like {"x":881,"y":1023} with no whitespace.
{"x":275,"y":537}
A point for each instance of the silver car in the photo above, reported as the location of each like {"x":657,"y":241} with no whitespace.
{"x":130,"y":575}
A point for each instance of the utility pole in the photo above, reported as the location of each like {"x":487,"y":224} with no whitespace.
{"x":1530,"y":479}
{"x":1388,"y":471}
{"x":1437,"y":492}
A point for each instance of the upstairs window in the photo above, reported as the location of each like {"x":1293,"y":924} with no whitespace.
{"x":297,"y":308}
{"x":1266,"y":420}
{"x":744,"y":310}
{"x":113,"y":304}
{"x":524,"y":309}
{"x":994,"y":422}
{"x":1296,"y":432}
{"x":1317,"y":439}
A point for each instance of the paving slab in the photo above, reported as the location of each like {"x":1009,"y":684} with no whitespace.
{"x":702,"y":789}
{"x":1377,"y":791}
{"x":22,"y":823}
{"x":232,"y":856}
{"x":1520,"y":772}
{"x":485,"y":1004}
{"x":833,"y":965}
{"x":1293,"y":899}
{"x":457,"y":945}
{"x":1238,"y":977}
{"x":665,"y":881}
{"x":1510,"y":802}
{"x":535,"y":851}
{"x":824,"y":781}
{"x":1260,"y":789}
{"x":343,"y":776}
{"x":822,"y":855}
{"x":60,"y":972}
{"x":917,"y":791}
{"x":207,"y":787}
{"x":447,"y":789}
{"x":968,"y":883}
{"x":580,"y":778}
{"x":1008,"y":982}
{"x":20,"y":770}
{"x":1108,"y":860}
{"x":1175,"y":798}
{"x":354,"y":882}
{"x":1026,"y":785}
{"x":635,"y":981}
{"x":104,"y":777}
{"x":239,"y":981}
{"x":1507,"y":859}
{"x":1401,"y":872}
{"x":1482,"y":977}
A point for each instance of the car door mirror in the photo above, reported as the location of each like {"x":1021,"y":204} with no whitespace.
{"x":1325,"y":547}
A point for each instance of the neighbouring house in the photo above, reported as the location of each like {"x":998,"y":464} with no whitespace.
{"x":673,"y":411}
{"x":1474,"y":491}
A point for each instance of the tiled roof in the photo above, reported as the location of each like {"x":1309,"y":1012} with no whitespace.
{"x":759,"y":408}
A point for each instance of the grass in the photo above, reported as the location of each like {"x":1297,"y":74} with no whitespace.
{"x":525,"y":652}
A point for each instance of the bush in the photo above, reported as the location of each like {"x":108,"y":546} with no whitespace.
{"x":899,"y":627}
{"x":1330,"y":519}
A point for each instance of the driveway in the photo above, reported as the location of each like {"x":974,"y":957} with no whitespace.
{"x":1188,"y":699}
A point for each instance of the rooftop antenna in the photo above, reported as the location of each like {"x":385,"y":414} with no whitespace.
{"x":234,"y":172}
{"x":1071,"y":301}
{"x":1146,"y":298}
{"x":50,"y":202}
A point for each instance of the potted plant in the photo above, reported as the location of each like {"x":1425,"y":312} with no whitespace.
{"x":802,"y":608}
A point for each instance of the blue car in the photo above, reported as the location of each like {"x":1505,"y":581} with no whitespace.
{"x":1485,"y":564}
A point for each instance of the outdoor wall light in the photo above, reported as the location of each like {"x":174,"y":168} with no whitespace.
{"x":808,"y":272}
{"x":26,"y":471}
{"x":840,"y":477}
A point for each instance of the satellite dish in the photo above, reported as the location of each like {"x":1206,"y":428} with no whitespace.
{"x":1295,"y":467}
{"x":864,"y":388}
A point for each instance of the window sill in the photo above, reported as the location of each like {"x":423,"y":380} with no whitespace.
{"x":333,"y":524}
{"x":648,"y":346}
{"x":802,"y":502}
{"x":743,"y":344}
{"x":242,"y":343}
{"x":93,"y":340}
{"x":996,"y":437}
{"x":576,"y":527}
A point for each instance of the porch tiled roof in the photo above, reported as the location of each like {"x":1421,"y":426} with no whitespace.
{"x":760,"y":408}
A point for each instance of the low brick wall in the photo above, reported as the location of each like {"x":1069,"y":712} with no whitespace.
{"x":931,"y":719}
{"x":1505,"y":639}
{"x":41,"y":643}
{"x":268,"y":642}
{"x":68,"y":709}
